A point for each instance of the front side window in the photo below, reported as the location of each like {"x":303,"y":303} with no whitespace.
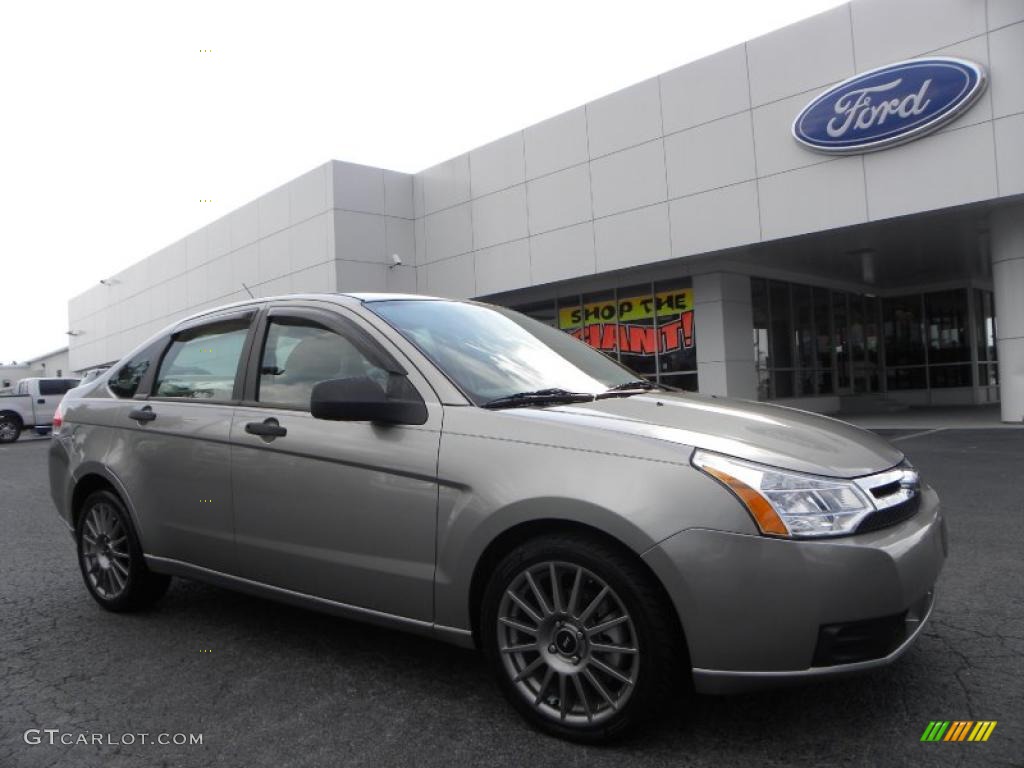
{"x":299,"y":353}
{"x":125,"y":383}
{"x":201,"y":363}
{"x":491,"y":352}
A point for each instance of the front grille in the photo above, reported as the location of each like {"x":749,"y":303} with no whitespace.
{"x":855,"y":641}
{"x":895,"y":494}
{"x":884,"y":491}
{"x":883,"y":518}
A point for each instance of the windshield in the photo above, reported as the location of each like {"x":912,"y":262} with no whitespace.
{"x":492,"y":352}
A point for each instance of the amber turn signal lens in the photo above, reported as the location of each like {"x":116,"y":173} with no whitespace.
{"x":764,"y":515}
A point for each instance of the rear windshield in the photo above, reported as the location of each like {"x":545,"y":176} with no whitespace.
{"x":56,"y":386}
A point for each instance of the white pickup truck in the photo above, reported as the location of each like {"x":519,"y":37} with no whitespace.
{"x":31,"y":405}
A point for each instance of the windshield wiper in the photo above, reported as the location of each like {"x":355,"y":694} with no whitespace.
{"x":626,"y":388}
{"x":539,"y":397}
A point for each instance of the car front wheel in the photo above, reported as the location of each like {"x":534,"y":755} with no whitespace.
{"x":583,"y":643}
{"x":111,"y":559}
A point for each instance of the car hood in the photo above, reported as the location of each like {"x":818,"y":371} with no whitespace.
{"x":767,"y":434}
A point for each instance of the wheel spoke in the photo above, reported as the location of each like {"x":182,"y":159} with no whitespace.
{"x":605,"y":648}
{"x":563,"y":703}
{"x":611,"y":671}
{"x":582,"y":697}
{"x":606,"y":625}
{"x":520,"y":648}
{"x":538,"y":594}
{"x":529,"y":669}
{"x":593,"y":605}
{"x":108,"y":581}
{"x":518,"y":626}
{"x":119,"y":567}
{"x":548,"y":673}
{"x":600,"y":688}
{"x":88,"y":539}
{"x":575,"y":594}
{"x":90,"y":523}
{"x":123,"y":555}
{"x":117,"y":579}
{"x":556,"y":592}
{"x":525,"y":606}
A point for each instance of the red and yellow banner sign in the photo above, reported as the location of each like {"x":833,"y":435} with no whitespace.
{"x":644,"y":307}
{"x":628,"y":324}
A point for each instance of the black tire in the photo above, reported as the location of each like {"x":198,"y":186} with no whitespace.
{"x":110,"y":557}
{"x":10,"y":428}
{"x":657,"y":668}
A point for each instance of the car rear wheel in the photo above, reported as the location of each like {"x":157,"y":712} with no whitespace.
{"x":110,"y":557}
{"x":10,"y":429}
{"x":582,"y":641}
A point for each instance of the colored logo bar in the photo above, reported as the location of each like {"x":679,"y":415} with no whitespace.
{"x":959,"y":730}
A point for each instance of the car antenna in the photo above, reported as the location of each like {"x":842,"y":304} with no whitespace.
{"x":248,"y":291}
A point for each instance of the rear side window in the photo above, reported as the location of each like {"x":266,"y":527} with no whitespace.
{"x":201,"y":363}
{"x":56,"y":386}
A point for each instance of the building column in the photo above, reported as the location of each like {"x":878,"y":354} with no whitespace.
{"x":723,"y":321}
{"x":1007,"y":237}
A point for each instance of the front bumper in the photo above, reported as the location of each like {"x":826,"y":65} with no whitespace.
{"x":760,"y":612}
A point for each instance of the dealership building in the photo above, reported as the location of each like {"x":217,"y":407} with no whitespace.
{"x":828,"y":216}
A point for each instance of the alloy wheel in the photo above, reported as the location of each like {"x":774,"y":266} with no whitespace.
{"x":105,"y":553}
{"x":568,"y":643}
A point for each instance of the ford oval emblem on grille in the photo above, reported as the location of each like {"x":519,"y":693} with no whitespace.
{"x":889,"y":105}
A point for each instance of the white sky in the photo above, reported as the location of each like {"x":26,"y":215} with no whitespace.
{"x":113,"y":125}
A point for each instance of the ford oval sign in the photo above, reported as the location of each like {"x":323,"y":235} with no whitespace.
{"x":889,"y":105}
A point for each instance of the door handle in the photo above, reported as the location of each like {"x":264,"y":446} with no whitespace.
{"x":142,"y":414}
{"x":266,"y":428}
{"x":41,"y":401}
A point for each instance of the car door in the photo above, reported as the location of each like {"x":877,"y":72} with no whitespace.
{"x":344,"y":511}
{"x":172,"y":450}
{"x":49,"y":396}
{"x":27,"y":401}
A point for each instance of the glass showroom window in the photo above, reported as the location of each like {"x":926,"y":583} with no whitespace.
{"x":648,"y":327}
{"x":985,"y":329}
{"x":903,"y":332}
{"x":927,"y":340}
{"x":793,"y":350}
{"x":949,"y":343}
{"x":638,"y":343}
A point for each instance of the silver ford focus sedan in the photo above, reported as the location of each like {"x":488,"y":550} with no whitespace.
{"x":466,"y":472}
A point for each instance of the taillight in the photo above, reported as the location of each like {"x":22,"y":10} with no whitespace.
{"x":58,"y":416}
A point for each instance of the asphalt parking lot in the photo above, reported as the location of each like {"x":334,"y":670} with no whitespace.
{"x":270,"y":685}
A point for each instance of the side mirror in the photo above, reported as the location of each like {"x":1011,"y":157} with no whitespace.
{"x":362,"y":399}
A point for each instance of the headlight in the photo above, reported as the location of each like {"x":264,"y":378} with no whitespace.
{"x":789,"y":503}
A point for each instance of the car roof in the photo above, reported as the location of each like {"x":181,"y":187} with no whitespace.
{"x":367,"y":297}
{"x":344,"y":299}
